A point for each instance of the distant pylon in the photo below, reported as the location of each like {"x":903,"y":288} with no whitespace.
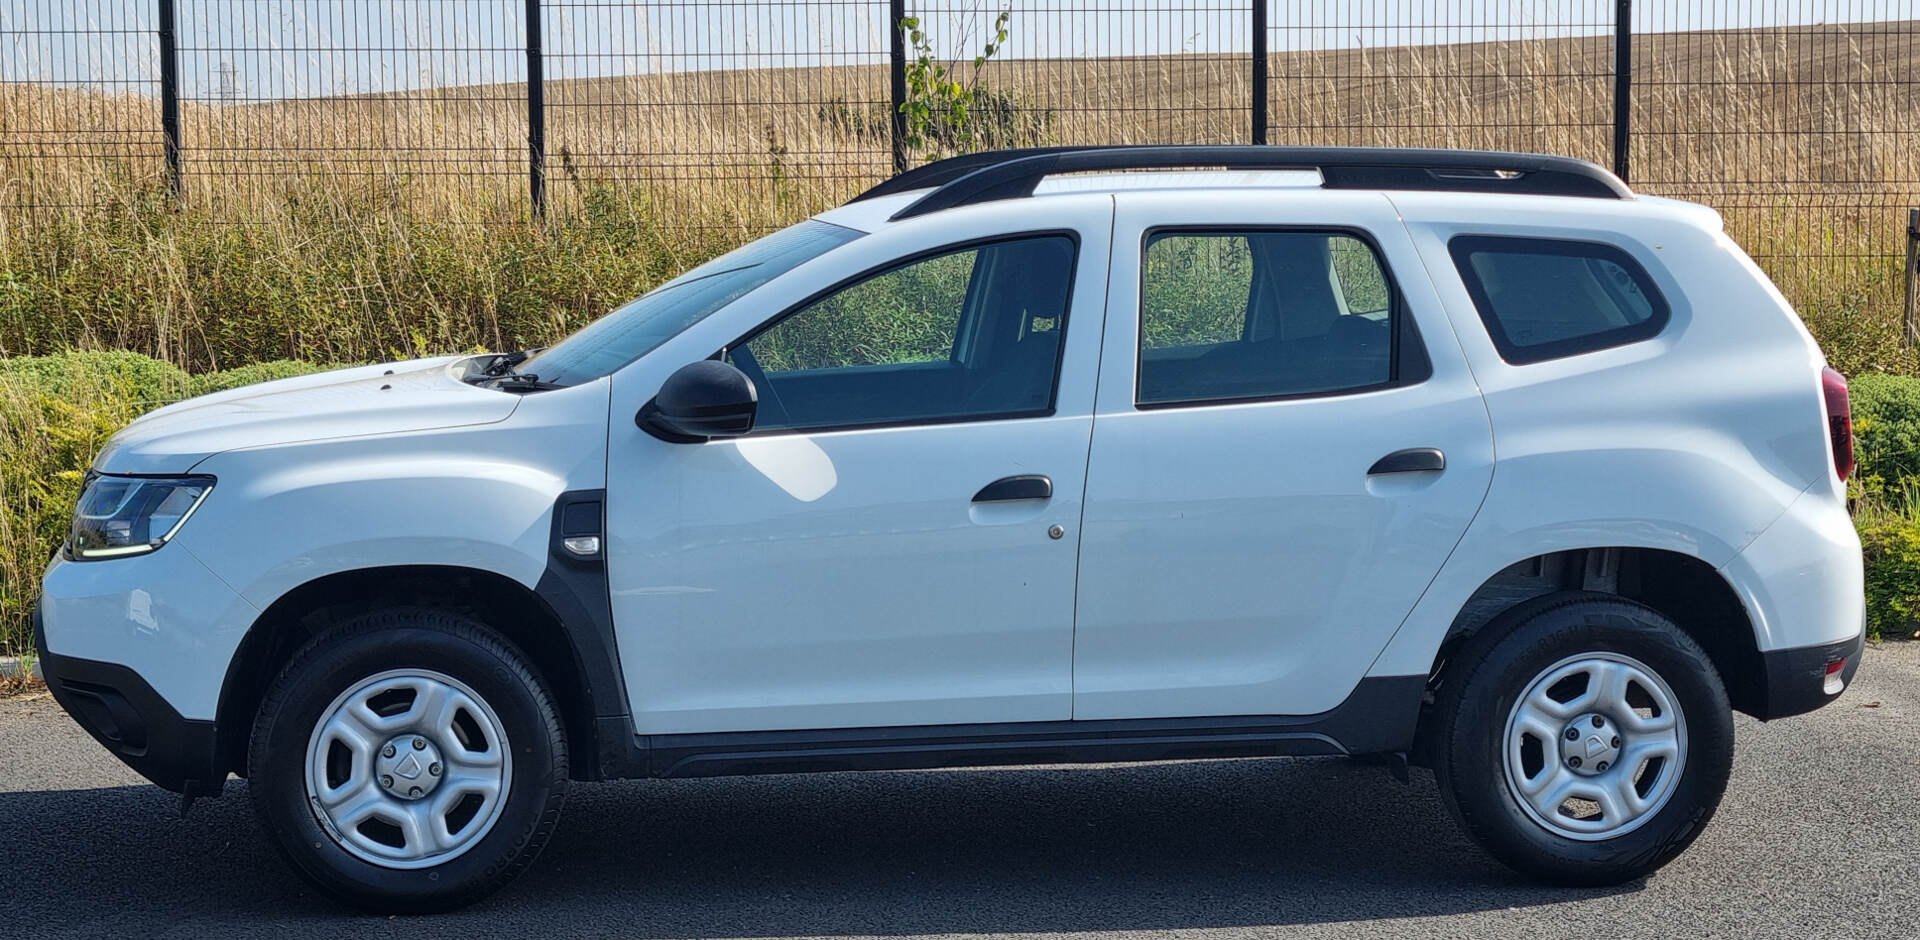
{"x":229,"y":80}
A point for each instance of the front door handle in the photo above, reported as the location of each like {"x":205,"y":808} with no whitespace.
{"x":1023,"y":486}
{"x":1411,"y":460}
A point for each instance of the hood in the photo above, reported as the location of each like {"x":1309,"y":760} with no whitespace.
{"x":395,"y":397}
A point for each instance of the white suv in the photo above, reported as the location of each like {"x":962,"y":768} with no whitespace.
{"x":1477,"y":461}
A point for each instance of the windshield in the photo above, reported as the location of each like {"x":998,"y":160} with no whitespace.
{"x":636,"y":329}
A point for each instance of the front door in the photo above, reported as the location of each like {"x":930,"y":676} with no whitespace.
{"x":1287,"y":446}
{"x":881,"y":550}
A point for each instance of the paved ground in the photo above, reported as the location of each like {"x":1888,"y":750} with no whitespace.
{"x":1818,"y":837}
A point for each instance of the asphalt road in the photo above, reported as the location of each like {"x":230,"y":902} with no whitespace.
{"x":1817,"y":838}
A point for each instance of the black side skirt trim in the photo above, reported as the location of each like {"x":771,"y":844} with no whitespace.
{"x":1378,"y":717}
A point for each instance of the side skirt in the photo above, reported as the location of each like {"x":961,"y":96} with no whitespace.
{"x":1379,"y":717}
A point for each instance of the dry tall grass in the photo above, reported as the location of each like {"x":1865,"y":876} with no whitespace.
{"x":1807,"y":139}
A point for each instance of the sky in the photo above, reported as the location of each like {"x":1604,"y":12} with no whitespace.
{"x":270,"y":49}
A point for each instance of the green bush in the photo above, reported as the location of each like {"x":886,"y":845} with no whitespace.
{"x":1886,"y":427}
{"x":1892,"y":551}
{"x":210,"y":382}
{"x":55,"y":413}
{"x":75,"y":375}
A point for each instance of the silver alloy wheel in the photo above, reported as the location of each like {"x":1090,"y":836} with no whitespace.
{"x":1594,"y":746}
{"x":408,"y":768}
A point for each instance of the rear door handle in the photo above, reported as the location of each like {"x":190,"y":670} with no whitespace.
{"x":1411,"y":460}
{"x":1023,"y":486}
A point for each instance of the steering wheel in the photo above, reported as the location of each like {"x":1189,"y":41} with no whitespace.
{"x":743,"y":360}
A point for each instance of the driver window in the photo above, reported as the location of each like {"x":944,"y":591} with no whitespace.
{"x":967,"y":334}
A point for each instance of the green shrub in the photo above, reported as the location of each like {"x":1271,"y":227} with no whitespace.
{"x":76,"y":375}
{"x":951,"y":110}
{"x":1886,"y":426}
{"x":55,"y":413}
{"x":211,"y":382}
{"x":1892,"y":551}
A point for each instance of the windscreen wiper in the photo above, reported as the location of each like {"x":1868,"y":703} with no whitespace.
{"x":503,"y":364}
{"x":523,"y":382}
{"x":502,"y":374}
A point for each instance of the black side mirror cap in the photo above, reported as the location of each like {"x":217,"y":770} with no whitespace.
{"x":701,"y":401}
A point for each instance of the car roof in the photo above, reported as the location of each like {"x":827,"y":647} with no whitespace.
{"x":874,"y":213}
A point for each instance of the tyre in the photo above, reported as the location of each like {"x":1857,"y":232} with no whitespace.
{"x":408,"y":760}
{"x":1582,"y":739}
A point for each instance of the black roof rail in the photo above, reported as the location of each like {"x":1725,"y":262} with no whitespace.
{"x":1013,"y":174}
{"x":942,"y":172}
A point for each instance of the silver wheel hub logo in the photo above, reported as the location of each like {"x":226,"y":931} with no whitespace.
{"x":409,"y":768}
{"x":1590,"y":744}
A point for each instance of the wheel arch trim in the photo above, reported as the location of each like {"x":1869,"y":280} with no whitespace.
{"x":1683,"y":587}
{"x":563,"y":623}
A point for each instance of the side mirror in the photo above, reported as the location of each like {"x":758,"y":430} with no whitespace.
{"x":701,"y":401}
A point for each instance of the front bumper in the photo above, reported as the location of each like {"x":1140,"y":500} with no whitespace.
{"x":1797,"y":678}
{"x":133,"y":721}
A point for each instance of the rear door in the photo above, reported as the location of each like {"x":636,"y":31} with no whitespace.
{"x":1287,"y":444}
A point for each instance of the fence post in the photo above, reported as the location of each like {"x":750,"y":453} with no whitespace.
{"x":1259,"y":71}
{"x":536,"y":115}
{"x":897,"y":81}
{"x":170,"y":96}
{"x":1622,"y":86}
{"x":1910,"y":317}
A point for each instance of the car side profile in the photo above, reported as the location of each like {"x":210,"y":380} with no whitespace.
{"x":1467,"y":460}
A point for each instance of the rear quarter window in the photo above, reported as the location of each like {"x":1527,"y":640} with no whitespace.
{"x":1548,"y":298}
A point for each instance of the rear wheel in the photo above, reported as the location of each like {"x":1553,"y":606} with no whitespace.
{"x":1582,"y":739}
{"x":409,"y":760}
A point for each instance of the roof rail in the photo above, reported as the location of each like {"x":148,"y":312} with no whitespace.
{"x":1013,"y":174}
{"x":942,"y":172}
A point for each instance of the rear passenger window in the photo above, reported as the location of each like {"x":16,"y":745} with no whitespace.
{"x":1544,"y":298}
{"x":1240,"y":315}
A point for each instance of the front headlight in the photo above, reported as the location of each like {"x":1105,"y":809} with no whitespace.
{"x":120,"y":516}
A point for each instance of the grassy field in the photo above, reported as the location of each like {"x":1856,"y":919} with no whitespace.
{"x":365,"y":228}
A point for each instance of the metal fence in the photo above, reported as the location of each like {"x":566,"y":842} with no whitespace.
{"x":1796,"y":118}
{"x":264,"y":91}
{"x":81,"y":86}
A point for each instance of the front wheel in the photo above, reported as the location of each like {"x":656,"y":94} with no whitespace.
{"x":1583,"y":739}
{"x":409,"y":760}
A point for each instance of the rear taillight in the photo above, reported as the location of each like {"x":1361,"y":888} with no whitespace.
{"x":1839,"y":420}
